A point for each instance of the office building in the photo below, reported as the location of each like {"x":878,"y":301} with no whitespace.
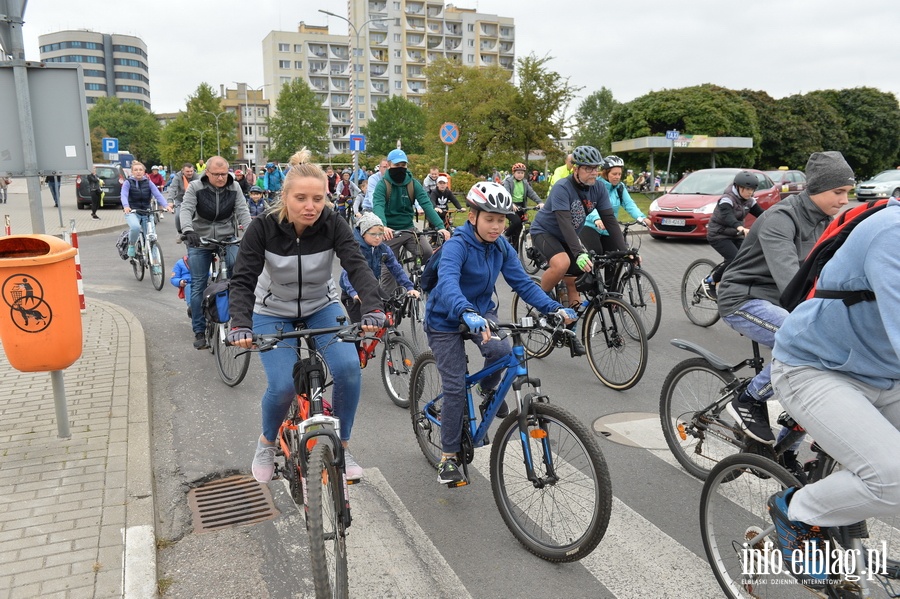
{"x":114,"y":65}
{"x":406,"y":36}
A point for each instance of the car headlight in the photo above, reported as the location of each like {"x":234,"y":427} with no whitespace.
{"x":707,"y":209}
{"x":654,"y":206}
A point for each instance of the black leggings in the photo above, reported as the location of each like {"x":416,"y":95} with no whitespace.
{"x":729,"y":249}
{"x":514,"y":230}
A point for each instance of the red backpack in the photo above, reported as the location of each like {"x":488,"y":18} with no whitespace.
{"x":803,"y":286}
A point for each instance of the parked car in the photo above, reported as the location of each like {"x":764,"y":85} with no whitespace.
{"x":686,"y":209}
{"x":790,"y":182}
{"x":883,"y":185}
{"x":111,"y":178}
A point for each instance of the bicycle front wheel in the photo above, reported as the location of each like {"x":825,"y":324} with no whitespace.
{"x":700,"y":309}
{"x":233,"y":361}
{"x":526,"y":252}
{"x":157,"y":266}
{"x":641,"y":292}
{"x":565,"y":517}
{"x":325,"y":524}
{"x":425,"y":398}
{"x":396,"y":366}
{"x":538,"y":343}
{"x":733,"y":513}
{"x":698,"y":437}
{"x":137,"y":262}
{"x":616,"y":344}
{"x":415,"y":322}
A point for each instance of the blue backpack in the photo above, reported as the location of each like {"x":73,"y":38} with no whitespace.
{"x":429,"y":278}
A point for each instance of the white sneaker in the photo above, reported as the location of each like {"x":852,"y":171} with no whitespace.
{"x":353,"y":470}
{"x":263,"y":467}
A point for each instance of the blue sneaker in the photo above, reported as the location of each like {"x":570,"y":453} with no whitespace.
{"x":791,"y":535}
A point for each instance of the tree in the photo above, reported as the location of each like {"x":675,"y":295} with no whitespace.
{"x":592,"y":120}
{"x":135,"y":127}
{"x":814,"y":125}
{"x":396,"y":118}
{"x":481,"y":103}
{"x":300,"y":121}
{"x":539,"y":115}
{"x":777,"y":127}
{"x":181,"y":137}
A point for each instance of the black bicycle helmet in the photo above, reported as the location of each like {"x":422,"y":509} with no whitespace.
{"x":587,"y":156}
{"x":612,"y":162}
{"x":745,"y":179}
{"x":490,"y":197}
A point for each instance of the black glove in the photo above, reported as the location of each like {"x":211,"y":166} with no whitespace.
{"x":239,"y":334}
{"x":191,"y":238}
{"x":373,"y":319}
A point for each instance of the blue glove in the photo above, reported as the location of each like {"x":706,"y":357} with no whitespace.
{"x":239,"y":334}
{"x":476,"y":323}
{"x":567,"y":313}
{"x":373,"y":319}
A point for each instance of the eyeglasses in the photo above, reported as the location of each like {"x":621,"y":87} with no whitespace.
{"x":590,"y":169}
{"x":374,"y":234}
{"x":209,"y":174}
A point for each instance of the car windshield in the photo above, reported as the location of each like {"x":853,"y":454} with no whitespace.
{"x":775,"y":175}
{"x":887,"y":176}
{"x":107,"y":173}
{"x":707,"y":182}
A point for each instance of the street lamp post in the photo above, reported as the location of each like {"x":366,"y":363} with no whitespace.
{"x":216,"y":116}
{"x":247,"y":90}
{"x":356,"y":53}
{"x":202,"y":133}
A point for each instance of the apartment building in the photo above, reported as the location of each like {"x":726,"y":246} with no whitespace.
{"x":252,"y":109}
{"x":403,"y":37}
{"x":114,"y":65}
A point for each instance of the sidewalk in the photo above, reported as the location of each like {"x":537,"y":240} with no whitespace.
{"x":77,"y":515}
{"x":19,"y":211}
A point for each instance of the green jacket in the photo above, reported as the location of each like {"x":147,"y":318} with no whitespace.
{"x":398,"y":211}
{"x":560,"y":173}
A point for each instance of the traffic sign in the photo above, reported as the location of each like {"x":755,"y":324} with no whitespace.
{"x":673,"y":135}
{"x":357,"y":143}
{"x":110,"y":145}
{"x":449,"y":133}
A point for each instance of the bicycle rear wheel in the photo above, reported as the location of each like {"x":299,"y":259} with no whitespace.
{"x":526,"y":250}
{"x":327,"y":540}
{"x":233,"y":361}
{"x":700,"y":309}
{"x":616,"y":344}
{"x":137,"y":261}
{"x":537,"y":342}
{"x":424,"y":387}
{"x":565,"y":518}
{"x":698,"y":439}
{"x":396,"y":366}
{"x":157,"y":266}
{"x":642,"y":293}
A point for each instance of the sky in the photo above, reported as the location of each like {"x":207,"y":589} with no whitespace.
{"x":782,"y":47}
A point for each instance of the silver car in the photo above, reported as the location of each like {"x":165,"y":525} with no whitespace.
{"x":883,"y":185}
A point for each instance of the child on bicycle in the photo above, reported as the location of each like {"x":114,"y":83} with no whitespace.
{"x":370,"y":234}
{"x":470,"y":263}
{"x":257,"y":202}
{"x":725,"y":231}
{"x":836,"y":370}
{"x":181,"y":279}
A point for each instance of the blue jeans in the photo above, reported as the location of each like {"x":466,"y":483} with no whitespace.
{"x":759,"y":320}
{"x":135,"y":222}
{"x":856,"y":424}
{"x":341,"y":359}
{"x":199,"y":261}
{"x":450,"y":357}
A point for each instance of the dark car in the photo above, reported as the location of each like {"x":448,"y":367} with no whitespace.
{"x":686,"y":209}
{"x":789,"y":182}
{"x":111,"y":178}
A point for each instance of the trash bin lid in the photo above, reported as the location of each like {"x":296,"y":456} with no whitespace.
{"x":30,"y":250}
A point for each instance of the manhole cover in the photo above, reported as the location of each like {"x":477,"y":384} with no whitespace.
{"x":231,"y":501}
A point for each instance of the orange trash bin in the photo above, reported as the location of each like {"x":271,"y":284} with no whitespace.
{"x":40,"y":318}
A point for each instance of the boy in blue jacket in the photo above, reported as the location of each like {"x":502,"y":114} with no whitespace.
{"x":470,"y":263}
{"x":370,"y":235}
{"x":181,"y":278}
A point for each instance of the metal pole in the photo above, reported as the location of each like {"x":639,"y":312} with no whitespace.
{"x":669,"y":166}
{"x":59,"y":402}
{"x":446,"y":156}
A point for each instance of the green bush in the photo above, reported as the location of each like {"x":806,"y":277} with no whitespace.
{"x":542,"y":188}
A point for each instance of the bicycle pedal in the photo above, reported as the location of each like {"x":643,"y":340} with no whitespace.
{"x":461,"y":483}
{"x":353,"y":482}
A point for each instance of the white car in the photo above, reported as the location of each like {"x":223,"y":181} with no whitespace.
{"x":883,"y":185}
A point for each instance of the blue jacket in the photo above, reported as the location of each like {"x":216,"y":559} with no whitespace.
{"x":180,"y":271}
{"x":618,"y":198}
{"x":375,"y":257}
{"x":273,"y":181}
{"x":467,"y":273}
{"x":257,"y":208}
{"x":862,"y":340}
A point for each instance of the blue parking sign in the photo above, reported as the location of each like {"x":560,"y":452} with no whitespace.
{"x":110,"y":145}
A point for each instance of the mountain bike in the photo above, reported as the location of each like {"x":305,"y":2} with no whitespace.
{"x":635,"y":285}
{"x":147,"y":253}
{"x":612,"y":332}
{"x":701,"y":309}
{"x":414,"y":312}
{"x":313,"y":458}
{"x":532,"y":261}
{"x":548,"y":476}
{"x":232,"y":362}
{"x":737,"y":532}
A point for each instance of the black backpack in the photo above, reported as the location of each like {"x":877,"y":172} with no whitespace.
{"x":215,"y":302}
{"x":122,"y":245}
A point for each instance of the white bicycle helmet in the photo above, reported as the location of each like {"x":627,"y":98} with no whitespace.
{"x":490,"y":197}
{"x":612,"y":161}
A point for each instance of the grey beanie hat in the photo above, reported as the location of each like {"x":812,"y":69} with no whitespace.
{"x":367,"y":221}
{"x":827,"y":170}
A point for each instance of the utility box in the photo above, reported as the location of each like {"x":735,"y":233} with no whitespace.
{"x":40,"y":318}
